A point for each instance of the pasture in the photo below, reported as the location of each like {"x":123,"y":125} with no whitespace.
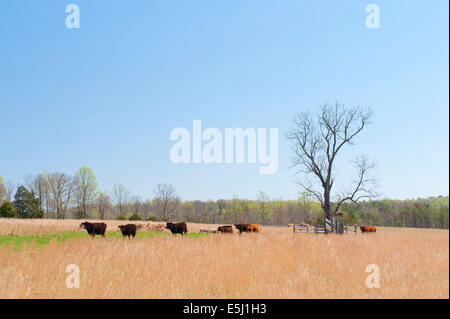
{"x":34,"y":254}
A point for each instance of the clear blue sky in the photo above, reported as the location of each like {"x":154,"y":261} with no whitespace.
{"x":108,"y":94}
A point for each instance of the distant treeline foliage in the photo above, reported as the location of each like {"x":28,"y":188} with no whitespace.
{"x":57,"y":195}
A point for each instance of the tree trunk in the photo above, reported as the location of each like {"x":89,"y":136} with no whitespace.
{"x":326,"y":204}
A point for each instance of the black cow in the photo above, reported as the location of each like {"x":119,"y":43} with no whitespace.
{"x":94,"y":228}
{"x":243,"y":228}
{"x":128,"y":230}
{"x":225,"y":229}
{"x":177,"y":228}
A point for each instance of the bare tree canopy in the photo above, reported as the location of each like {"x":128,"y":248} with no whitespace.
{"x":60,"y":187}
{"x":120,"y":195}
{"x":103,"y":203}
{"x":318,"y":140}
{"x":136,"y":204}
{"x":11,"y":188}
{"x":166,"y":198}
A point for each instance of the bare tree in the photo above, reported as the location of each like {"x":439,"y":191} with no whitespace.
{"x":166,"y":199}
{"x":60,"y":189}
{"x":146,"y":208}
{"x":317,"y":142}
{"x":213,"y":208}
{"x":136,"y":204}
{"x":103,"y":203}
{"x":120,"y":195}
{"x":11,"y":188}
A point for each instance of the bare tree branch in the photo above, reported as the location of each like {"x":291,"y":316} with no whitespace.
{"x":364,"y":184}
{"x":166,"y":197}
{"x":317,"y":144}
{"x":120,"y":195}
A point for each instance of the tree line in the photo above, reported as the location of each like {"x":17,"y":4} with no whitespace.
{"x":60,"y":196}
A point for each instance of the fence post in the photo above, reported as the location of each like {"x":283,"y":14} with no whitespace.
{"x":339,"y":226}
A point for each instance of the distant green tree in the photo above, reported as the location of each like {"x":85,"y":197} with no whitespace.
{"x":85,"y":190}
{"x":26,"y":204}
{"x":121,"y":217}
{"x":7,"y":210}
{"x":79,"y":215}
{"x":3,"y":190}
{"x":134,"y":216}
{"x":264,"y":210}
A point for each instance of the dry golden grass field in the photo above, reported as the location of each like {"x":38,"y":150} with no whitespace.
{"x":413,"y":263}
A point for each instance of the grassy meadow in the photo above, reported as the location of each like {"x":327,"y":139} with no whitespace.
{"x":34,"y":254}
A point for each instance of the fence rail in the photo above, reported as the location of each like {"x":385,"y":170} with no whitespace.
{"x":353,"y":228}
{"x":309,"y":228}
{"x":327,"y":228}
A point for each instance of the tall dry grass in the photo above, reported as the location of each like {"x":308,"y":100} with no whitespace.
{"x":274,"y":264}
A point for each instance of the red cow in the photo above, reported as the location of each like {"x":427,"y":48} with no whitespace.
{"x":369,"y":229}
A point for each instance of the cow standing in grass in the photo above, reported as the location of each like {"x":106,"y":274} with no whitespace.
{"x":225,"y":229}
{"x":177,"y":228}
{"x":243,"y":228}
{"x":369,"y":229}
{"x":128,"y":230}
{"x":94,"y":228}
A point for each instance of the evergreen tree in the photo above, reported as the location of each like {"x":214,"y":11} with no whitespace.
{"x":7,"y":210}
{"x":26,"y":204}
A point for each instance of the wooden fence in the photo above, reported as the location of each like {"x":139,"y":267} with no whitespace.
{"x":308,"y":228}
{"x":354,"y":228}
{"x":324,"y":229}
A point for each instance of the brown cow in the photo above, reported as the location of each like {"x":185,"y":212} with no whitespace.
{"x":369,"y":229}
{"x":128,"y":230}
{"x":254,"y":228}
{"x":94,"y":228}
{"x":225,"y":229}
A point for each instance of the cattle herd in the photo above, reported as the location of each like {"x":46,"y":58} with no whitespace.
{"x":129,"y":230}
